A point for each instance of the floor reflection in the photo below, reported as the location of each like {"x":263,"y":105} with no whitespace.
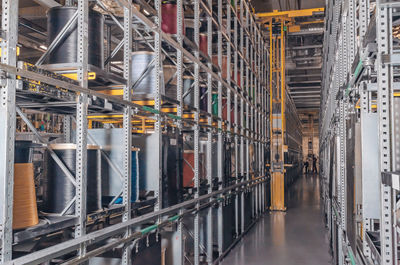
{"x":295,"y":237}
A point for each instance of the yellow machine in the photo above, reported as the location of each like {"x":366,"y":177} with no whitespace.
{"x":279,"y":23}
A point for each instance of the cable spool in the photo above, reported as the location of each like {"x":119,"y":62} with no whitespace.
{"x":188,"y":90}
{"x":23,"y":152}
{"x":169,"y":15}
{"x":189,"y":29}
{"x":214,"y":152}
{"x":60,"y":190}
{"x":170,"y":81}
{"x":215,"y":104}
{"x":25,"y":212}
{"x":225,"y":110}
{"x":224,"y":65}
{"x":188,"y":168}
{"x":203,"y":43}
{"x":66,"y":51}
{"x":111,"y":183}
{"x":144,"y":76}
{"x":170,"y":164}
{"x":203,"y":98}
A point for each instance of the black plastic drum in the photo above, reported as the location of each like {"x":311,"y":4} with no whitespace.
{"x":23,"y":151}
{"x":66,"y":51}
{"x":60,"y":190}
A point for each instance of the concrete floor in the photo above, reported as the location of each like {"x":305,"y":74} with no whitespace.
{"x":297,"y":237}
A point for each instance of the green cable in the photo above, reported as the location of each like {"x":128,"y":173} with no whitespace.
{"x":155,"y":226}
{"x":149,"y":229}
{"x":174,"y":218}
{"x":151,"y":110}
{"x":356,"y":73}
{"x":353,"y":262}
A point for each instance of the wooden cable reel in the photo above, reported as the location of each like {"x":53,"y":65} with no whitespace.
{"x":24,"y":209}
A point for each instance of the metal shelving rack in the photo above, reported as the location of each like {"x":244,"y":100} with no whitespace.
{"x":359,"y":142}
{"x":243,"y":43}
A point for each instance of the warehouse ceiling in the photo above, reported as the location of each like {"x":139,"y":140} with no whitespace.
{"x":303,"y":56}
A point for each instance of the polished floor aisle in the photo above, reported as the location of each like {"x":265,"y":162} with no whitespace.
{"x":297,"y":237}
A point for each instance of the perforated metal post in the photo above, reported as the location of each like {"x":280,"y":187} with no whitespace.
{"x":179,"y":98}
{"x":220,"y":136}
{"x":385,"y":86}
{"x":210,"y":157}
{"x":343,"y":68}
{"x":157,"y":102}
{"x":351,"y":31}
{"x":127,"y":127}
{"x":9,"y":25}
{"x":363,"y":23}
{"x":242,"y":129}
{"x":196,"y":132}
{"x":236,"y":115}
{"x":81,"y":123}
{"x":67,"y":126}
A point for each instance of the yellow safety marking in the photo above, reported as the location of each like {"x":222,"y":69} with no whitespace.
{"x":291,"y":13}
{"x":169,"y":109}
{"x":74,"y":76}
{"x":105,"y":116}
{"x":18,"y":51}
{"x":113,"y":92}
{"x":144,"y":102}
{"x":294,"y":28}
{"x":374,"y":106}
{"x":311,"y":22}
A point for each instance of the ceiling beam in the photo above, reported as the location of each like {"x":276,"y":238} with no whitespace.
{"x":304,"y":76}
{"x":304,"y":82}
{"x":291,"y":13}
{"x":307,"y":32}
{"x":305,"y":58}
{"x":316,"y":67}
{"x":292,"y":88}
{"x":305,"y":47}
{"x":308,"y":102}
{"x":303,"y":92}
{"x":306,"y":99}
{"x":301,"y":97}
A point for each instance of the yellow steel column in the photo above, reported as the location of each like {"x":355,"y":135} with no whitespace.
{"x":277,"y":114}
{"x":277,"y":86}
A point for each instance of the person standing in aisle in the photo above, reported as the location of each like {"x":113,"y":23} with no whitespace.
{"x":306,"y":164}
{"x":314,"y":165}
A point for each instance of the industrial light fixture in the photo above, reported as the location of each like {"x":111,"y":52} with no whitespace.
{"x":146,"y":12}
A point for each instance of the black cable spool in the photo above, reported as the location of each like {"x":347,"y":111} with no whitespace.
{"x":24,"y":151}
{"x":60,"y":190}
{"x":172,"y":168}
{"x":66,"y":51}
